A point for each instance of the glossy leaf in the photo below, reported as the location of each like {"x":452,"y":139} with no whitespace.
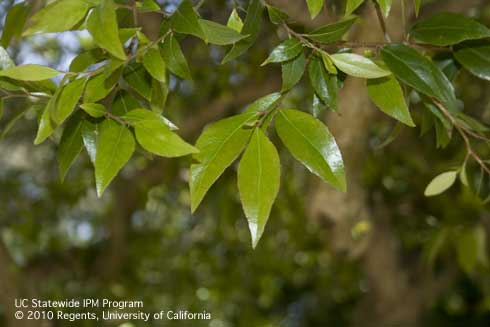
{"x":89,"y":137}
{"x":46,"y":125}
{"x":115,"y":146}
{"x":325,"y":85}
{"x":475,"y":58}
{"x":68,"y":100}
{"x":102,"y":25}
{"x":14,"y":23}
{"x":385,"y":6}
{"x":258,"y":182}
{"x":174,"y":58}
{"x":314,"y":7}
{"x":264,"y":103}
{"x":219,"y":145}
{"x":276,"y":16}
{"x":29,"y":72}
{"x":251,"y":27}
{"x":387,"y":95}
{"x":154,"y":64}
{"x":235,"y":22}
{"x":95,"y":110}
{"x":155,"y":136}
{"x":447,"y":29}
{"x":58,"y":16}
{"x":292,"y":71}
{"x":328,"y":63}
{"x":98,"y":87}
{"x":219,"y":34}
{"x":332,"y":32}
{"x":311,"y":143}
{"x":441,"y":183}
{"x":139,"y":80}
{"x":185,"y":20}
{"x":352,"y":5}
{"x":358,"y":66}
{"x":285,"y":51}
{"x":419,"y":72}
{"x":71,"y":144}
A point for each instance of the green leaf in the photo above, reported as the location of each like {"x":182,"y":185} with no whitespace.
{"x":352,"y":5}
{"x":258,"y":182}
{"x":276,"y":16}
{"x":387,"y":95}
{"x":71,"y":144}
{"x":264,"y":103}
{"x":115,"y":146}
{"x":332,"y":32}
{"x":419,"y":72}
{"x":68,"y":100}
{"x":155,"y":136}
{"x":314,"y":7}
{"x":137,"y":77}
{"x":251,"y":27}
{"x":311,"y":143}
{"x":441,"y":183}
{"x":325,"y":85}
{"x":417,"y":4}
{"x":102,"y":25}
{"x":5,"y":60}
{"x":475,"y":58}
{"x":29,"y":73}
{"x":89,"y":136}
{"x":471,"y":248}
{"x":219,"y":34}
{"x":148,"y":6}
{"x":95,"y":110}
{"x":98,"y":87}
{"x":292,"y":71}
{"x":219,"y":145}
{"x":285,"y":51}
{"x":82,"y":61}
{"x":385,"y":6}
{"x":447,"y":29}
{"x":328,"y":63}
{"x":235,"y":22}
{"x":46,"y":125}
{"x":154,"y":64}
{"x":185,"y":20}
{"x":14,"y":23}
{"x":58,"y":16}
{"x":174,"y":58}
{"x":159,"y":93}
{"x":358,"y":66}
{"x":123,"y":103}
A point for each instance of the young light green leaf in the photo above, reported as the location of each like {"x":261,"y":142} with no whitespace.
{"x":148,"y":6}
{"x":276,"y":16}
{"x":475,"y":58}
{"x":185,"y":20}
{"x":387,"y":95}
{"x":285,"y":51}
{"x":441,"y":183}
{"x":314,"y":7}
{"x":29,"y":72}
{"x":82,"y":61}
{"x":352,"y":5}
{"x":46,"y":125}
{"x":102,"y":25}
{"x":251,"y":27}
{"x":14,"y":23}
{"x":154,"y":64}
{"x":332,"y":32}
{"x":385,"y":6}
{"x":95,"y":110}
{"x":58,"y":16}
{"x":174,"y":58}
{"x":311,"y":143}
{"x":154,"y":135}
{"x":358,"y":66}
{"x":447,"y":29}
{"x":71,"y":144}
{"x":115,"y":146}
{"x":219,"y":34}
{"x":292,"y":71}
{"x":419,"y":72}
{"x":264,"y":103}
{"x":328,"y":63}
{"x":219,"y":145}
{"x":235,"y":22}
{"x":68,"y":100}
{"x":258,"y":182}
{"x":325,"y":85}
{"x":98,"y":87}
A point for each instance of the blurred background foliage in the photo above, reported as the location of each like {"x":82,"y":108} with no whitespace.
{"x":140,"y":242}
